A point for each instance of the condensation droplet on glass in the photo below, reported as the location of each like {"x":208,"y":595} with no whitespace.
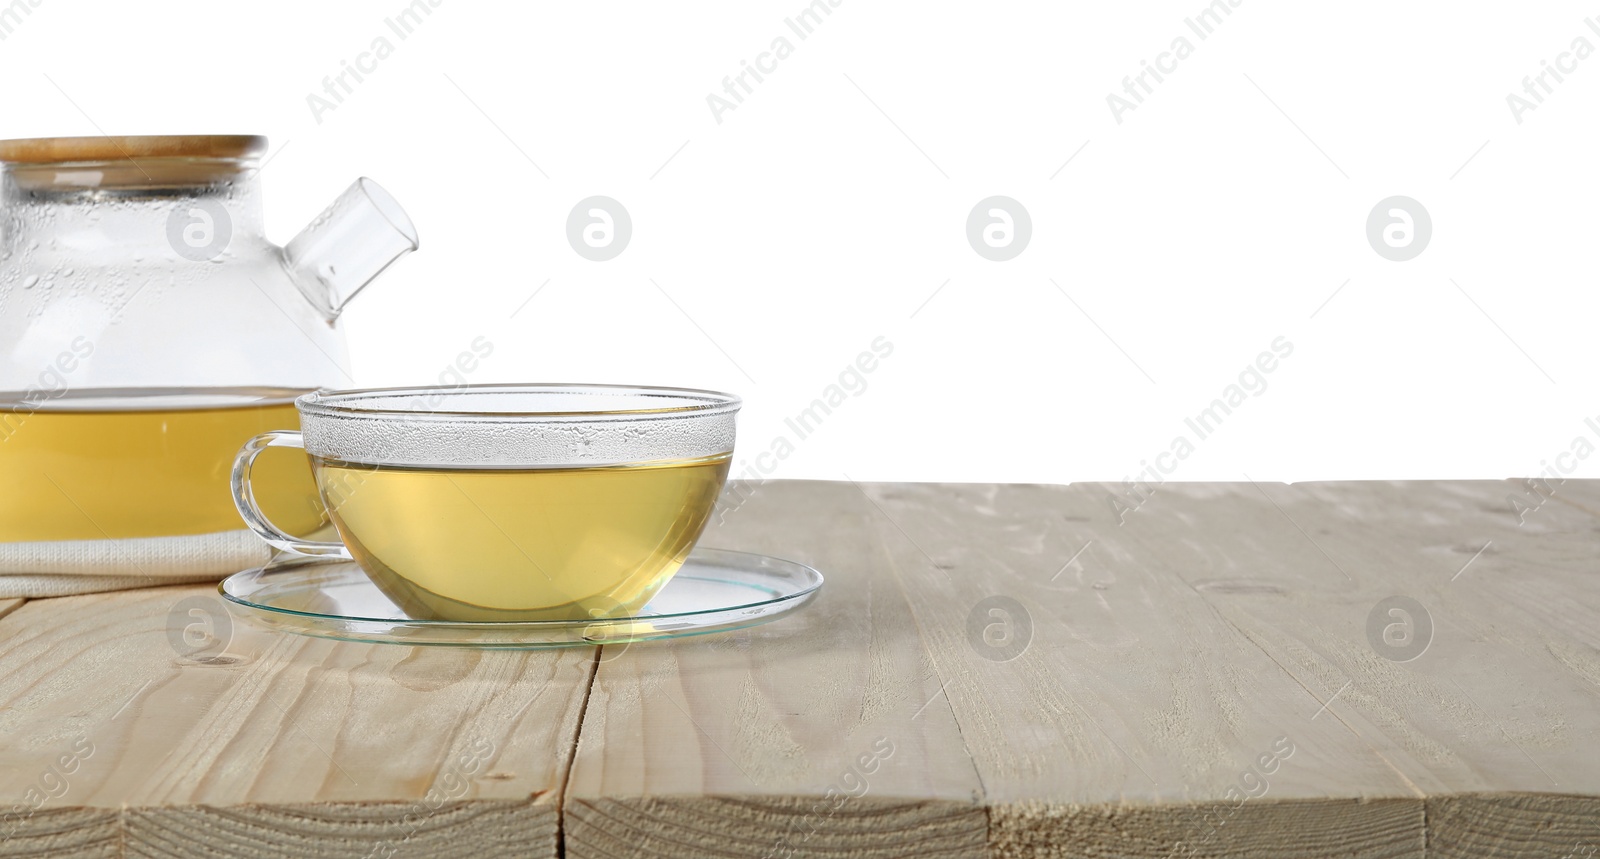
{"x":29,"y":282}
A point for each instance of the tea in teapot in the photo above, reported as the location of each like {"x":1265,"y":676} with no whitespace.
{"x":147,"y":329}
{"x":92,"y":465}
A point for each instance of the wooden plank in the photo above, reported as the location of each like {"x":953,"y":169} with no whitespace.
{"x":1137,"y":721}
{"x":1512,"y":674}
{"x":1565,"y":602}
{"x":278,"y":744}
{"x":1496,"y":720}
{"x":1468,"y":826}
{"x":8,"y":606}
{"x":1145,"y":707}
{"x":59,"y":833}
{"x":1505,"y":697}
{"x":823,"y":733}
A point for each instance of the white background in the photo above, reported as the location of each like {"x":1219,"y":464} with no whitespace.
{"x":806,"y":224}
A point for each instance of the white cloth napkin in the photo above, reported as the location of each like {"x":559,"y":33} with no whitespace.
{"x":66,"y":567}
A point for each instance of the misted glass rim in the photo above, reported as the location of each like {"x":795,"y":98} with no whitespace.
{"x":654,"y":401}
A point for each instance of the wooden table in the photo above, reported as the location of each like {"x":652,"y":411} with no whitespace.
{"x":990,"y":671}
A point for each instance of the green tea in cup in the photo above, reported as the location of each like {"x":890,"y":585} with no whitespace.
{"x":510,"y":502}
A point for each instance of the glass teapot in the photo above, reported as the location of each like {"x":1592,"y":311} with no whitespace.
{"x":147,"y":329}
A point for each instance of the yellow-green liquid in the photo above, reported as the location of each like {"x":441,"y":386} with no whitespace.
{"x":82,"y":473}
{"x":560,"y":543}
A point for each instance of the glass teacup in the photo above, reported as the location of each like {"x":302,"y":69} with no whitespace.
{"x":509,"y":502}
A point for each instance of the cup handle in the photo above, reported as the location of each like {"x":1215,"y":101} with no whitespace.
{"x":244,"y":497}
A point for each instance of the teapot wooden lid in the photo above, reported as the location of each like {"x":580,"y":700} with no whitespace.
{"x":58,"y":150}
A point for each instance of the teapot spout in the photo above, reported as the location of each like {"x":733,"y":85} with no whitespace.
{"x":348,"y":245}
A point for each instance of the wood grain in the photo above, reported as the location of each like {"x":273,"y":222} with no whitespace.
{"x":821,"y":734}
{"x":1137,"y":721}
{"x":1498,"y":709}
{"x":1267,"y":828}
{"x":1498,"y":719}
{"x":279,"y":744}
{"x":57,"y":833}
{"x":1135,"y":691}
{"x":1468,"y":826}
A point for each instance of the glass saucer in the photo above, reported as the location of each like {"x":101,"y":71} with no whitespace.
{"x":715,"y":590}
